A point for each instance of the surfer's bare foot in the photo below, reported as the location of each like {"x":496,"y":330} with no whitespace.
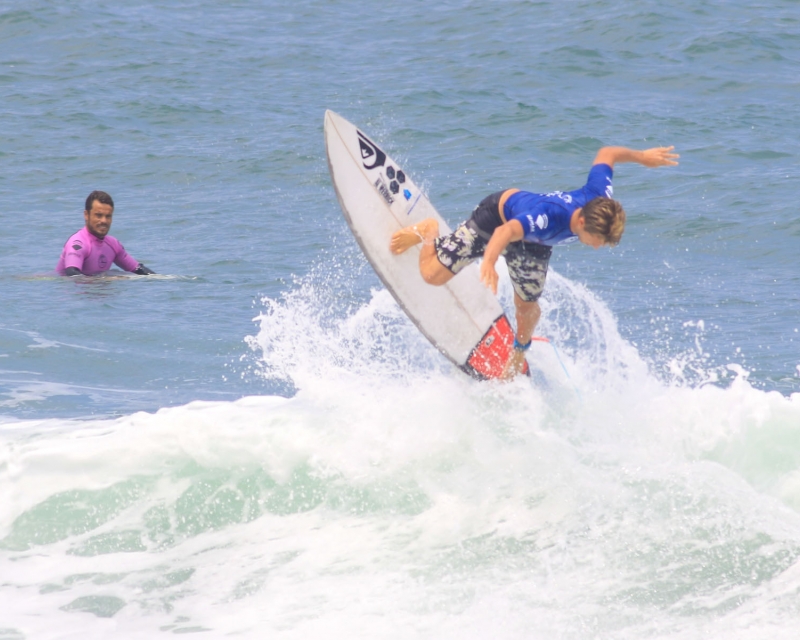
{"x":406,"y":238}
{"x":514,"y":366}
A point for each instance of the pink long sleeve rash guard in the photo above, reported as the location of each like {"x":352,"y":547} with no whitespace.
{"x":92,"y":255}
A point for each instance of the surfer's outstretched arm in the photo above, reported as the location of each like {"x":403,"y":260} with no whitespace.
{"x":655,"y":157}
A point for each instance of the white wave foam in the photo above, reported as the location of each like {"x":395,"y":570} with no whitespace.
{"x":392,"y":493}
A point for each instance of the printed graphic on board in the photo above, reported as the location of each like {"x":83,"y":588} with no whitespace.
{"x":371,"y":155}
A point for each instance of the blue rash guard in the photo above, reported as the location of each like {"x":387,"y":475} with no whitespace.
{"x":545,"y":217}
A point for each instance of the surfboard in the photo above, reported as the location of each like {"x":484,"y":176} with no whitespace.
{"x":462,"y":319}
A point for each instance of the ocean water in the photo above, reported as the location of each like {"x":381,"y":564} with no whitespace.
{"x":258,"y":443}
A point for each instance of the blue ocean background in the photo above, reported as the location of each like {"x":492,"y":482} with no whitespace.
{"x":258,"y":443}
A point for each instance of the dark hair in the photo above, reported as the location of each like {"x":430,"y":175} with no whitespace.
{"x":101,"y":196}
{"x":605,"y":217}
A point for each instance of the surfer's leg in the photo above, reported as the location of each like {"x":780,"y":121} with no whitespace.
{"x":528,"y":314}
{"x":527,"y":266}
{"x":431,"y":268}
{"x":412,"y":235}
{"x":447,"y":255}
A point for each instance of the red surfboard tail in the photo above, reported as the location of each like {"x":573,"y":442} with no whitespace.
{"x":488,"y":359}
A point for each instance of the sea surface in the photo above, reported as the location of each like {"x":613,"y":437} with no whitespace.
{"x":257,"y":443}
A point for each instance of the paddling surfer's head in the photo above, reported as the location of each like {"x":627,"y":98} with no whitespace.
{"x":603,"y":221}
{"x":98,"y":213}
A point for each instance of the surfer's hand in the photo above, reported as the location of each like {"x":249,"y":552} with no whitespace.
{"x":659,"y":157}
{"x":489,"y":275}
{"x":511,"y":231}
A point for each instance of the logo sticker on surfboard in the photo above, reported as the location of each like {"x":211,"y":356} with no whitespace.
{"x":371,"y":155}
{"x":380,"y":185}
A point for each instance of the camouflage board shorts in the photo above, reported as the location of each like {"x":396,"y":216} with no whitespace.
{"x":527,"y":261}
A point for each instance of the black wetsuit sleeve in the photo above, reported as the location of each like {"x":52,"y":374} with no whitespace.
{"x":141,"y":270}
{"x":73,"y":271}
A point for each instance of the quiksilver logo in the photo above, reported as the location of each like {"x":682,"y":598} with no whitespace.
{"x":541,"y":221}
{"x":371,"y":155}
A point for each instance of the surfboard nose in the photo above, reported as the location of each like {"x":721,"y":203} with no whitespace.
{"x":330,"y":116}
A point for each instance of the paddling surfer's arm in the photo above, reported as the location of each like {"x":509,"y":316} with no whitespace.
{"x":655,"y":157}
{"x":140,"y":270}
{"x":511,"y":231}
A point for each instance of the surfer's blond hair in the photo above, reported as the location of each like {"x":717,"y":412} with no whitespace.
{"x":606,"y":218}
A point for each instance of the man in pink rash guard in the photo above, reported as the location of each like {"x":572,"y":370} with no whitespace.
{"x":92,"y":251}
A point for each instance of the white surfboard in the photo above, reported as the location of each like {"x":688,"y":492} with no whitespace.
{"x":463,"y":319}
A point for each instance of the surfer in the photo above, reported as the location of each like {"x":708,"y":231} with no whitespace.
{"x":91,"y":250}
{"x":524,"y":227}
